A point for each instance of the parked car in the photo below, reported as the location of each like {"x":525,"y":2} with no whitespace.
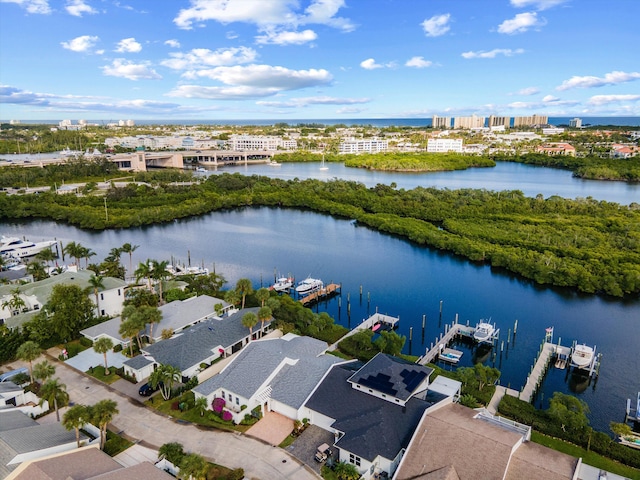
{"x":322,"y":453}
{"x":147,"y":390}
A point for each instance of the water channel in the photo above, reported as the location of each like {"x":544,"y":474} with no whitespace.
{"x":405,"y":280}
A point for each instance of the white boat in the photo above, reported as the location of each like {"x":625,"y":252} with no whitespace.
{"x":201,"y":170}
{"x":273,"y":163}
{"x":283,"y":284}
{"x":322,"y":165}
{"x":309,"y":285}
{"x":582,"y":356}
{"x":67,"y":152}
{"x":16,"y":248}
{"x":484,"y":332}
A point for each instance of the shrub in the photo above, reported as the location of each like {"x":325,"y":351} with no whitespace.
{"x":227,"y":416}
{"x":236,"y":474}
{"x":117,"y":348}
{"x":86,"y":342}
{"x":218,"y":404}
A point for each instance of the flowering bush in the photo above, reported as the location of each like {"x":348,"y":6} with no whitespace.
{"x":227,"y":416}
{"x":218,"y":404}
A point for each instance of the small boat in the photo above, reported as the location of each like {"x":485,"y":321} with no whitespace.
{"x":16,"y":248}
{"x":309,"y":285}
{"x":67,"y":152}
{"x":273,"y":163}
{"x":582,"y":356}
{"x":376,"y":327}
{"x":484,"y":332}
{"x":450,"y":355}
{"x":201,"y":170}
{"x":283,"y":284}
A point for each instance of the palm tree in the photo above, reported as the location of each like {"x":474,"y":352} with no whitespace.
{"x":164,"y":377}
{"x":73,"y":249}
{"x":129,"y":248}
{"x":103,"y":345}
{"x":159,"y":273}
{"x":16,"y":302}
{"x":132,"y":324}
{"x":144,"y":270}
{"x":129,"y":329}
{"x":150,"y":315}
{"x":46,"y":255}
{"x":75,"y":418}
{"x":55,"y":393}
{"x":232,"y":297}
{"x":200,"y":405}
{"x":86,"y":253}
{"x":262,"y":294}
{"x":36,"y":270}
{"x":193,"y":467}
{"x":346,"y":471}
{"x":43,"y":370}
{"x":28,"y":352}
{"x":249,"y":320}
{"x":244,"y":288}
{"x":96,"y":282}
{"x":264,"y":314}
{"x":101,"y":414}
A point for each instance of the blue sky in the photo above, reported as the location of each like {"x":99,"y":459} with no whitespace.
{"x":317,"y":59}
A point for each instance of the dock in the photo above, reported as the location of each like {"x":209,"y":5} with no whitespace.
{"x":631,"y":414}
{"x":326,"y":292}
{"x":452,"y":331}
{"x":369,"y":324}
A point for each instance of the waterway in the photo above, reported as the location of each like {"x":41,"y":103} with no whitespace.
{"x":401,"y":279}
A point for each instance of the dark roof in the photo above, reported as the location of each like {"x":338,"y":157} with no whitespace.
{"x":372,"y":426}
{"x":138,"y":362}
{"x":392,"y":376}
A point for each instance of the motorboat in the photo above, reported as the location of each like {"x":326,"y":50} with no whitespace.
{"x":273,"y":163}
{"x":201,"y":170}
{"x":16,"y":248}
{"x":484,"y":332}
{"x":67,"y":152}
{"x":309,"y":285}
{"x":582,"y":356}
{"x":283,"y":284}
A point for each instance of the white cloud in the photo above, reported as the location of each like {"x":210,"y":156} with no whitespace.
{"x":507,"y":52}
{"x":263,"y":13}
{"x":528,"y":91}
{"x":32,"y":6}
{"x":608,"y":99}
{"x":550,"y":98}
{"x":78,"y":7}
{"x":173,"y":43}
{"x":521,"y":23}
{"x":436,"y":25}
{"x":370,"y":64}
{"x":80,"y":44}
{"x":612,"y":78}
{"x":132,"y":71}
{"x":418,"y":62}
{"x":203,"y":57}
{"x":537,"y":4}
{"x":128,"y":45}
{"x":267,"y":77}
{"x":221,"y":93}
{"x":286,"y":38}
{"x":305,"y":101}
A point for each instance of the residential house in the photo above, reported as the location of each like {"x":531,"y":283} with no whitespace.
{"x":35,"y":295}
{"x":557,"y":149}
{"x":199,"y":344}
{"x":624,"y":151}
{"x":373,"y":410}
{"x":14,"y":398}
{"x":176,"y":316}
{"x":272,"y":374}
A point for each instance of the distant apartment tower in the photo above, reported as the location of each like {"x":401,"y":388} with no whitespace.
{"x":530,"y":121}
{"x":440,"y":122}
{"x":440,"y":145}
{"x":260,"y":142}
{"x":575,"y":123}
{"x":367,"y":145}
{"x":468,"y":122}
{"x":495,"y":121}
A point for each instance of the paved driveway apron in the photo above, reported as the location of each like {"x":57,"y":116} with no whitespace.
{"x":233,"y":450}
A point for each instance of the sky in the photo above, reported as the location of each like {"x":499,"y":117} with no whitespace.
{"x":317,"y":59}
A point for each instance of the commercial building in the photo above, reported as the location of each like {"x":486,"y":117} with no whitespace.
{"x":260,"y":142}
{"x":369,"y":145}
{"x":575,"y":123}
{"x":440,"y":145}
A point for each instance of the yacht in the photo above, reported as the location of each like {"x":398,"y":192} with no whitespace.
{"x":309,"y":285}
{"x":484,"y":332}
{"x":16,"y":248}
{"x":283,"y":284}
{"x":582,"y":356}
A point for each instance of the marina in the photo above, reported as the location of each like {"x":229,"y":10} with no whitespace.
{"x":321,"y":294}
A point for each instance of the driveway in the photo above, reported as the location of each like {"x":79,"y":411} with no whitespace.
{"x":305,"y":446}
{"x":273,"y":428}
{"x":234,"y":450}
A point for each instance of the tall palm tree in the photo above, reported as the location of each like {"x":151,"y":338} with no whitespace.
{"x":159,"y":273}
{"x":54,"y":392}
{"x":28,"y":352}
{"x":264,"y":314}
{"x":129,"y":329}
{"x":103,"y":345}
{"x":132,"y":323}
{"x":36,"y":270}
{"x":249,"y":320}
{"x":262,"y":294}
{"x":15,"y":302}
{"x":193,"y":467}
{"x":232,"y":297}
{"x":86,"y":253}
{"x":244,"y":287}
{"x":43,"y":370}
{"x":165,"y":376}
{"x":96,"y":282}
{"x":101,"y":414}
{"x":75,"y":418}
{"x":150,"y":315}
{"x":144,"y":270}
{"x":73,"y":249}
{"x":129,"y":248}
{"x":46,"y":255}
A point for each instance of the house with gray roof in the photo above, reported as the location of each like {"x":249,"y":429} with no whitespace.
{"x":22,"y":439}
{"x":203,"y":342}
{"x":275,"y":374}
{"x":35,"y":295}
{"x":176,"y":316}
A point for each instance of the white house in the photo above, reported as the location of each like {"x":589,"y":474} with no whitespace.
{"x":440,"y":145}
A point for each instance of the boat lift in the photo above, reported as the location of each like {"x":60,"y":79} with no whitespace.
{"x":631,"y":415}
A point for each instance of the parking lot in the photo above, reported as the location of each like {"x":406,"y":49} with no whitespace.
{"x":304,"y":448}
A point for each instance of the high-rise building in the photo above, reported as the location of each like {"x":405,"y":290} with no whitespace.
{"x":575,"y":123}
{"x":468,"y":122}
{"x":440,"y":122}
{"x":530,"y":121}
{"x":495,"y":121}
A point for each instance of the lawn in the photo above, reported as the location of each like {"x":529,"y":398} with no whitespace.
{"x":590,"y":458}
{"x":98,"y":372}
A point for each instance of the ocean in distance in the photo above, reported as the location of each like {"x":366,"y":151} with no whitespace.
{"x":374,"y":122}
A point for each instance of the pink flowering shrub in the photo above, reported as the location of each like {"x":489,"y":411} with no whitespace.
{"x":218,"y":404}
{"x":227,"y":416}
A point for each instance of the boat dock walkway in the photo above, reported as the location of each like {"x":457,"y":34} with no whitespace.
{"x":548,"y":351}
{"x":451,"y":331}
{"x":368,"y":324}
{"x":329,"y":290}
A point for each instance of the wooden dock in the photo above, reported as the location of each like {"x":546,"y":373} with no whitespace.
{"x":452,"y":331}
{"x":547,"y":352}
{"x":368,"y":324}
{"x":326,"y":292}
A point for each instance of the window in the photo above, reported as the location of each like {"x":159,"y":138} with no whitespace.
{"x":118,"y":292}
{"x":353,"y":459}
{"x":237,"y":401}
{"x":102,"y":296}
{"x":223,"y":395}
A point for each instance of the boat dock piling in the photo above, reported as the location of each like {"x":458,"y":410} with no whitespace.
{"x":328,"y":291}
{"x":452,"y":331}
{"x":631,"y":415}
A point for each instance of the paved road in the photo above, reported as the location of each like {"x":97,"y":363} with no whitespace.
{"x":233,"y":450}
